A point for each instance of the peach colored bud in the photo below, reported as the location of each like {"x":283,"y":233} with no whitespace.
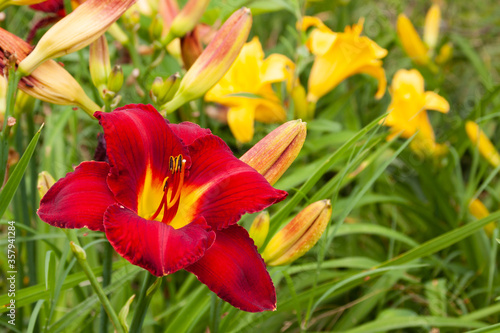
{"x":75,"y":31}
{"x":215,"y":60}
{"x":260,"y":228}
{"x":481,"y":141}
{"x":190,"y":48}
{"x":45,"y":181}
{"x":298,"y":236}
{"x":272,"y":155}
{"x":99,"y":64}
{"x":49,"y":82}
{"x":188,"y":17}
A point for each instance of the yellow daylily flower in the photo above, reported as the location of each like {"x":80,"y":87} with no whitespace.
{"x":481,"y":141}
{"x":246,"y":89}
{"x":407,"y":111}
{"x":340,"y":55}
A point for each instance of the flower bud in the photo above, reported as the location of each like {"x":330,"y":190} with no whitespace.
{"x":479,"y":211}
{"x":215,"y":60}
{"x":99,"y":64}
{"x":481,"y":141}
{"x":115,"y":80}
{"x":156,"y":28}
{"x":122,"y":316}
{"x":75,"y":31}
{"x":298,"y":236}
{"x":45,"y":181}
{"x":49,"y":82}
{"x":260,"y":228}
{"x":300,"y":103}
{"x":272,"y":155}
{"x":162,"y":91}
{"x":78,"y":251}
{"x":431,"y":27}
{"x":409,"y":38}
{"x":188,"y":17}
{"x":3,"y":96}
{"x":190,"y":49}
{"x":6,"y":3}
{"x":445,"y":53}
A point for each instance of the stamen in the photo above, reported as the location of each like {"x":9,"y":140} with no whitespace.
{"x":171,"y":190}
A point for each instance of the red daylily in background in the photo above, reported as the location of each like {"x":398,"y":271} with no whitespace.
{"x":51,"y":6}
{"x":170,"y":199}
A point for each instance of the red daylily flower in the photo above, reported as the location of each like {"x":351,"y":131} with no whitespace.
{"x":169,"y":199}
{"x":51,"y":6}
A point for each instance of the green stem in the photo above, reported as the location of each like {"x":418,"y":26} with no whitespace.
{"x":106,"y":280}
{"x":94,"y":283}
{"x":142,"y":304}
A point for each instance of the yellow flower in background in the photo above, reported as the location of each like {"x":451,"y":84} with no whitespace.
{"x":340,"y":55}
{"x":479,"y":211}
{"x":422,"y":52}
{"x":407,"y":111}
{"x":412,"y":44}
{"x":481,"y":141}
{"x":247,"y":90}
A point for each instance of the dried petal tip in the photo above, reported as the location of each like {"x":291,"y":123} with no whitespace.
{"x":298,"y":236}
{"x":45,"y":181}
{"x":481,"y":141}
{"x":260,"y":228}
{"x":272,"y":155}
{"x":215,"y":60}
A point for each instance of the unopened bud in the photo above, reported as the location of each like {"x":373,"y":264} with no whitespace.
{"x":481,"y":141}
{"x":75,"y":31}
{"x":272,"y":155}
{"x":215,"y":60}
{"x":431,"y":27}
{"x":115,"y":80}
{"x":190,"y":49}
{"x":122,"y":316}
{"x":260,"y":228}
{"x":99,"y":64}
{"x":78,"y":251}
{"x":479,"y":211}
{"x":298,"y":236}
{"x":188,"y":17}
{"x":156,"y":28}
{"x":45,"y":182}
{"x":445,"y":53}
{"x":3,"y":96}
{"x":300,"y":103}
{"x":162,"y":91}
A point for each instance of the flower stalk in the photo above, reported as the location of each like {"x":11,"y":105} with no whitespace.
{"x":81,"y":257}
{"x":143,"y":302}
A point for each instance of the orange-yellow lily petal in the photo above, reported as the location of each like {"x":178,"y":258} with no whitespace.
{"x":246,"y":89}
{"x":481,"y":141}
{"x":75,"y":31}
{"x":412,"y":44}
{"x":408,"y":111}
{"x":431,"y":27}
{"x":340,"y":55}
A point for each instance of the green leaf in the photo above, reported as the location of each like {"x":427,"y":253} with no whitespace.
{"x":15,"y":178}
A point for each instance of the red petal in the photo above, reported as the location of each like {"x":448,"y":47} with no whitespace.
{"x":51,"y":6}
{"x":221,"y":188}
{"x":234,"y":270}
{"x":138,"y":140}
{"x":80,"y":199}
{"x":154,"y":245}
{"x":188,"y":132}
